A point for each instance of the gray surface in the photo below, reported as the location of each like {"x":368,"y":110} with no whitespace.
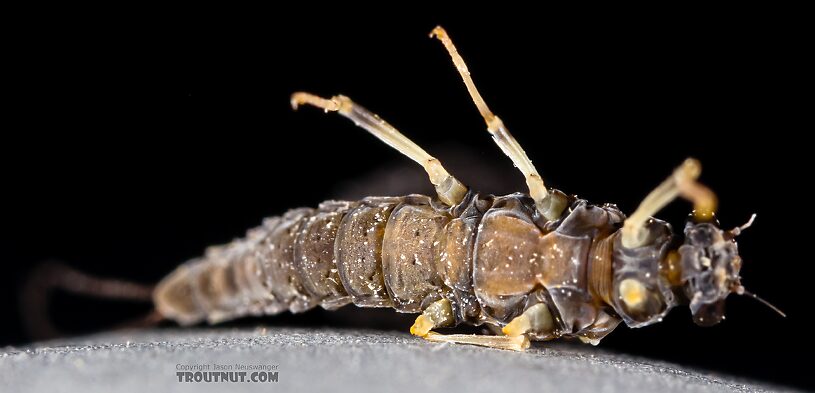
{"x":337,"y":361}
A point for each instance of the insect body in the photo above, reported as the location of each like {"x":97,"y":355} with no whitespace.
{"x":538,"y":265}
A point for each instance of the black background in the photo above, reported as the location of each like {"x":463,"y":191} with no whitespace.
{"x":138,"y":141}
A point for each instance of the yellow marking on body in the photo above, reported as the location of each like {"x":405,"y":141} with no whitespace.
{"x":633,"y":293}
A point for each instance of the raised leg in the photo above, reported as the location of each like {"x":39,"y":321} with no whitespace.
{"x":681,"y":183}
{"x":440,"y":314}
{"x":550,"y":206}
{"x":450,"y":190}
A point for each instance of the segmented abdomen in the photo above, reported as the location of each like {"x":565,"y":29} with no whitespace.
{"x":492,"y":257}
{"x":330,"y":256}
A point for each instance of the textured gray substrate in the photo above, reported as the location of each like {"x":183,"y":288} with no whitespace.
{"x":322,"y":360}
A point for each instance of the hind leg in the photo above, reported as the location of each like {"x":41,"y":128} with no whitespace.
{"x":449,"y":189}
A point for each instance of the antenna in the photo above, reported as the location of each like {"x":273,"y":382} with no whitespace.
{"x":741,"y":291}
{"x":738,"y":230}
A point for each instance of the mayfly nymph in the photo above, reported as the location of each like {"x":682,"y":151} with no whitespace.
{"x":536,"y":266}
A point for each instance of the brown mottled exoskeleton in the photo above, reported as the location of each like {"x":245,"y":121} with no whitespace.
{"x":540,"y":266}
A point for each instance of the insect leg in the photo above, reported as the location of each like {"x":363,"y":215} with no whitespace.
{"x":551,"y":207}
{"x":437,"y":314}
{"x":514,"y":343}
{"x":681,"y":183}
{"x":450,"y":190}
{"x":440,"y":314}
{"x":536,"y":319}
